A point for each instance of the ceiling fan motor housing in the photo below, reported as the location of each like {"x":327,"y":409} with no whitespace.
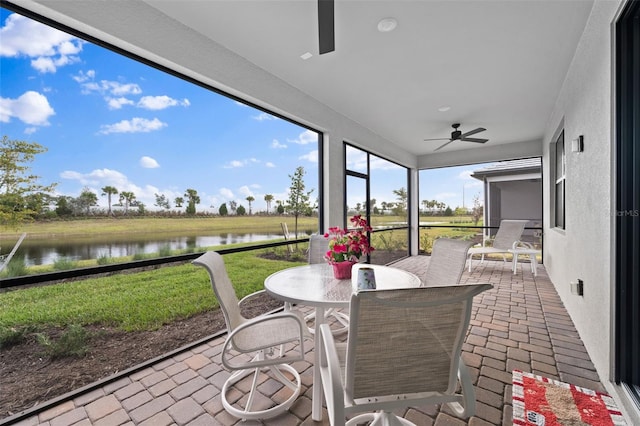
{"x":456,"y":134}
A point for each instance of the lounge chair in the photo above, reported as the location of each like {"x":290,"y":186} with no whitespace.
{"x":509,"y":232}
{"x":404,"y":349}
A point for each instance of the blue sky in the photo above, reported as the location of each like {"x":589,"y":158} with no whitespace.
{"x":108,"y":120}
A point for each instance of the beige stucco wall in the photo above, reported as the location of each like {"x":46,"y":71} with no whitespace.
{"x":583,"y":249}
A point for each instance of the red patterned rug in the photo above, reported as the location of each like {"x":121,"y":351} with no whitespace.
{"x":541,"y":401}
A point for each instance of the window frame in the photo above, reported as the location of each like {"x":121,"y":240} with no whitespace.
{"x":558,"y":182}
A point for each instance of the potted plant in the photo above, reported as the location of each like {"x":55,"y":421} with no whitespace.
{"x":347,"y":246}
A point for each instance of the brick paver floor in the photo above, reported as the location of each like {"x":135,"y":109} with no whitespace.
{"x":519,"y":324}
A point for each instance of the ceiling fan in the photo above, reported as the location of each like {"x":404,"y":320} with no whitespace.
{"x":457,"y":135}
{"x":326,"y":33}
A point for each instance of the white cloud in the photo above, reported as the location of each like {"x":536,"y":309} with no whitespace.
{"x":49,"y":47}
{"x":269,"y":164}
{"x":31,"y":108}
{"x":264,"y":116}
{"x":135,"y":125}
{"x":312,"y":156}
{"x":149,"y":163}
{"x":117,"y":103}
{"x":245,"y":191}
{"x":30,"y":130}
{"x":161,"y":102}
{"x":98,"y":177}
{"x":305,"y":138}
{"x":277,"y":145}
{"x":234,"y":164}
{"x":105,"y":87}
{"x":227,"y":193}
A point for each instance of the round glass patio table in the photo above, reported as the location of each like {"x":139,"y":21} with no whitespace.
{"x":314,"y":285}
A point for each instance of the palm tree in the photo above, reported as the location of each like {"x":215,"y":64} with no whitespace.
{"x":268,"y":198}
{"x":127,"y":198}
{"x":250,"y":200}
{"x":192,"y":199}
{"x":109,"y":191}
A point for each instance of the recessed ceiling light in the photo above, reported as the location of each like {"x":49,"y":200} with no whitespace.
{"x":387,"y":24}
{"x":306,"y":56}
{"x":444,"y":108}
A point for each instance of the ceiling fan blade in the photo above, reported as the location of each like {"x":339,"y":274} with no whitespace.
{"x":478,"y":140}
{"x":437,"y":139}
{"x":445,"y":144}
{"x":472,"y":132}
{"x":326,"y":33}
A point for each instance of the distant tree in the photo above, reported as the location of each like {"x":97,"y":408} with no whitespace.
{"x":460,"y":211}
{"x":126,"y":199}
{"x":384,"y":206}
{"x":401,"y":205}
{"x":241,"y":211}
{"x":268,"y":198}
{"x":64,"y":206}
{"x":179,"y":201}
{"x":280,"y":208}
{"x":477,"y":211}
{"x":162,"y":201}
{"x":358,"y":207}
{"x":86,"y":200}
{"x":192,"y":200}
{"x":372,"y":204}
{"x":142,"y":209}
{"x":109,"y":191}
{"x":425,"y":205}
{"x":223,"y":209}
{"x":233,"y":205}
{"x":16,"y":182}
{"x":448,"y":211}
{"x":250,"y":200}
{"x":298,"y":201}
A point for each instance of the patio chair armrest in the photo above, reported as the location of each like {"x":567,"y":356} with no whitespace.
{"x":330,"y":373}
{"x":522,"y":244}
{"x":468,"y":406}
{"x":263,"y":333}
{"x":250,"y":295}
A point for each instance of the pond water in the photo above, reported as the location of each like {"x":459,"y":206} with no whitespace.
{"x":43,"y":252}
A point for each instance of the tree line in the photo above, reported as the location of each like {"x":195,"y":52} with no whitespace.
{"x":22,"y":198}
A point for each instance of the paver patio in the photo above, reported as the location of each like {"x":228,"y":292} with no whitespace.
{"x":520,"y":324}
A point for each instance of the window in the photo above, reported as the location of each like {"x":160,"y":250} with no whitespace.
{"x":378,"y":189}
{"x":559,"y":186}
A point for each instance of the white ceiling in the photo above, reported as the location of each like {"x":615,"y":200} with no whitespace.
{"x":496,"y":64}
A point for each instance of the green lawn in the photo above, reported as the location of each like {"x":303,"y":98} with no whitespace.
{"x":132,"y":301}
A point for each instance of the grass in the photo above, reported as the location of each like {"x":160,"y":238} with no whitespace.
{"x":134,"y":227}
{"x":135,"y":301}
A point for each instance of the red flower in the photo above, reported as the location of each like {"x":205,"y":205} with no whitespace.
{"x":348,"y":245}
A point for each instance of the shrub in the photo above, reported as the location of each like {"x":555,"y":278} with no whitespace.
{"x":72,"y":342}
{"x":165,"y":251}
{"x":64,"y":263}
{"x":10,"y":336}
{"x":16,"y":267}
{"x":103,"y":259}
